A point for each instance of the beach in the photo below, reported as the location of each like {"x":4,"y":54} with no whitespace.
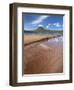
{"x":34,"y":37}
{"x":43,"y":57}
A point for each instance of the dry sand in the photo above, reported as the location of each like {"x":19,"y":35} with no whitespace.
{"x":32,"y":38}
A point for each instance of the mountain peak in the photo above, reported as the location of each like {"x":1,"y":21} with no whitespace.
{"x":40,"y":28}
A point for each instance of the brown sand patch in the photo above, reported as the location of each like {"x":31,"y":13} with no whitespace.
{"x":32,"y":38}
{"x":43,"y":59}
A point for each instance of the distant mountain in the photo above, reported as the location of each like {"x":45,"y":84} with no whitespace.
{"x":43,"y":30}
{"x":40,"y":30}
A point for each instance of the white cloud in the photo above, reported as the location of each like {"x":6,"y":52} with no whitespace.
{"x":39,"y":19}
{"x":48,"y":25}
{"x":57,"y":24}
{"x":40,"y":25}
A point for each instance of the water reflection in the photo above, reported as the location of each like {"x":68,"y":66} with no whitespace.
{"x":55,"y":41}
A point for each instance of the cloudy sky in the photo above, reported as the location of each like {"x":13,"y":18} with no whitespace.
{"x":49,"y":22}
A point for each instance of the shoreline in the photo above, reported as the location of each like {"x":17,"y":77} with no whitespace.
{"x":40,"y":39}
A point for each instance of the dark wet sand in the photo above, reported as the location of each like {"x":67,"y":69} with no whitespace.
{"x":44,"y":57}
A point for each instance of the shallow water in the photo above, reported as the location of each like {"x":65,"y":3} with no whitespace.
{"x":55,"y":41}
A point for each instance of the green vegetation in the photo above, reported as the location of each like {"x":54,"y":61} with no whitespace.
{"x":45,"y":31}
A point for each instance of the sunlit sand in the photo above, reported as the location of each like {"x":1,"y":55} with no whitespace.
{"x":32,"y":38}
{"x":43,"y":57}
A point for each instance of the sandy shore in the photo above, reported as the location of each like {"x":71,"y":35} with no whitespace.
{"x":44,"y":57}
{"x":31,"y":38}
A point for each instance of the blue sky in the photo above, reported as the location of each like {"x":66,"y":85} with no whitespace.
{"x":49,"y":22}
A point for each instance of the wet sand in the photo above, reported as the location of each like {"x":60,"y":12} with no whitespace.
{"x":28,"y":38}
{"x":44,"y":57}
